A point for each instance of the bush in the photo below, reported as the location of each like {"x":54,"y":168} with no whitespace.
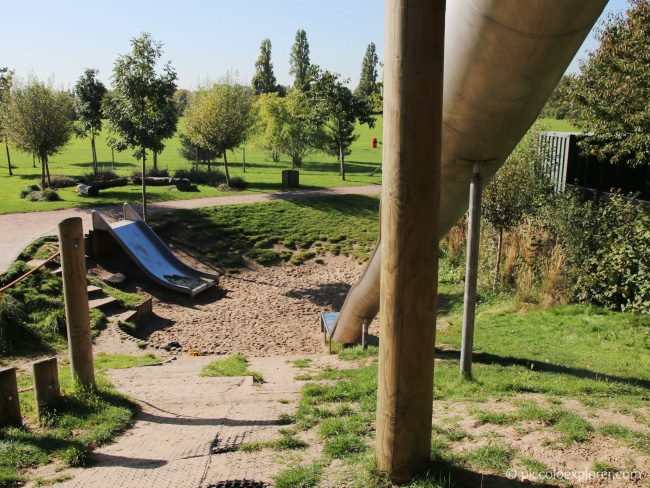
{"x":50,"y":195}
{"x":104,"y":174}
{"x":12,"y":316}
{"x":607,"y":246}
{"x":25,"y":192}
{"x":34,"y":194}
{"x":62,"y":181}
{"x":151,"y":172}
{"x":202,"y":176}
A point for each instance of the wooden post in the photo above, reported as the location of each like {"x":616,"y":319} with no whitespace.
{"x":471,"y":272}
{"x":46,"y":385}
{"x":9,"y":401}
{"x":409,"y":228}
{"x":75,"y":294}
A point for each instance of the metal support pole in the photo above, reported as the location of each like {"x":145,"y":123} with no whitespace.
{"x":471,"y":272}
{"x":410,"y":212}
{"x":75,"y":294}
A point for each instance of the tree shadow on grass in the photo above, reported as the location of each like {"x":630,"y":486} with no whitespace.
{"x":542,"y":367}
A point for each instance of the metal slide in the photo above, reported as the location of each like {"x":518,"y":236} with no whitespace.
{"x":152,"y":255}
{"x":502,"y":60}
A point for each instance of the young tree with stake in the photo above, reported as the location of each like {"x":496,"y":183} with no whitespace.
{"x":89,"y":95}
{"x":141,"y":109}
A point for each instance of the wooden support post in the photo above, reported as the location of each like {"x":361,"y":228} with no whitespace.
{"x":409,"y":228}
{"x":9,"y":401}
{"x":471,"y":272}
{"x":75,"y":294}
{"x":46,"y":385}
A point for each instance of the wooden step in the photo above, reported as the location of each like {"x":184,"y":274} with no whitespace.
{"x":101,"y":303}
{"x":128,"y":316}
{"x":94,"y":290}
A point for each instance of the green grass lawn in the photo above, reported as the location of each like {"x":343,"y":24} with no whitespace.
{"x":319,"y":171}
{"x":556,"y":125}
{"x":82,"y":420}
{"x":531,"y":362}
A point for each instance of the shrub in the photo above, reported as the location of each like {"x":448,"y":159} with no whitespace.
{"x":50,"y":195}
{"x":62,"y":181}
{"x":33,"y":194}
{"x":104,"y":174}
{"x":25,"y":192}
{"x":202,"y":176}
{"x":12,"y":316}
{"x":151,"y":172}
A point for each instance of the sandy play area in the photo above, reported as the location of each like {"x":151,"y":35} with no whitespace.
{"x":260,"y":311}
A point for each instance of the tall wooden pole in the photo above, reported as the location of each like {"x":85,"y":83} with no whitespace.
{"x":75,"y":294}
{"x":409,"y":229}
{"x":471,"y":272}
{"x":9,"y":400}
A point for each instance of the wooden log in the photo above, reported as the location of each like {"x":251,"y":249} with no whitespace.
{"x":88,"y":190}
{"x":9,"y":400}
{"x":115,"y":182}
{"x":182,"y":184}
{"x":46,"y":385}
{"x":409,"y":228}
{"x":471,"y":272}
{"x":75,"y":294}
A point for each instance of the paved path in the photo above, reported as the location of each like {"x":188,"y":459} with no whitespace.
{"x":20,"y":229}
{"x":186,"y":425}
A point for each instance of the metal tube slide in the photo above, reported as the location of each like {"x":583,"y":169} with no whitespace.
{"x":502,"y":60}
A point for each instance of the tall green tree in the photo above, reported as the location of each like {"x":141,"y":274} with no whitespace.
{"x":288,"y":126}
{"x":613,"y":88}
{"x":299,"y":62}
{"x":339,"y":110}
{"x":221,"y":118}
{"x":368,"y":79}
{"x":264,"y":80}
{"x":38,"y":121}
{"x":195,"y":153}
{"x":141,"y":109}
{"x":6,"y":80}
{"x":89,"y":95}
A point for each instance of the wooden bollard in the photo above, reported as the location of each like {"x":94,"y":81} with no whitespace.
{"x":46,"y":385}
{"x":75,"y":294}
{"x":9,"y":401}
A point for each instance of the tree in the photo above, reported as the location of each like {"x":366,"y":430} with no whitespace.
{"x":89,"y":94}
{"x":264,"y":80}
{"x":289,"y":126}
{"x":514,"y":192}
{"x":613,"y":88}
{"x":368,"y":79}
{"x":221,"y":118}
{"x":194,"y":153}
{"x":339,"y":110}
{"x":38,"y":121}
{"x":141,"y":109}
{"x":6,"y":80}
{"x":558,"y":105}
{"x":182,"y":98}
{"x":299,"y":62}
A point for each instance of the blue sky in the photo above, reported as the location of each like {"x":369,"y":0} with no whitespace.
{"x":204,"y":39}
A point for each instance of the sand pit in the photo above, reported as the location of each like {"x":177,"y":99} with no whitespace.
{"x":261,"y":311}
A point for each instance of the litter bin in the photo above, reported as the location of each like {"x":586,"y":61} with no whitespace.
{"x":374,"y":143}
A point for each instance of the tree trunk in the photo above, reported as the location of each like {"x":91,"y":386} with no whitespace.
{"x":113,"y":158}
{"x":342,"y":161}
{"x":144,"y":185}
{"x":47,"y":171}
{"x":225,"y":167}
{"x":155,"y":160}
{"x":11,"y":173}
{"x":92,"y":147}
{"x":497,"y":267}
{"x":243,"y":159}
{"x":42,"y":173}
{"x":33,"y":160}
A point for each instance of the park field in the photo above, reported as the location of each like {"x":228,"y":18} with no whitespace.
{"x":319,"y":170}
